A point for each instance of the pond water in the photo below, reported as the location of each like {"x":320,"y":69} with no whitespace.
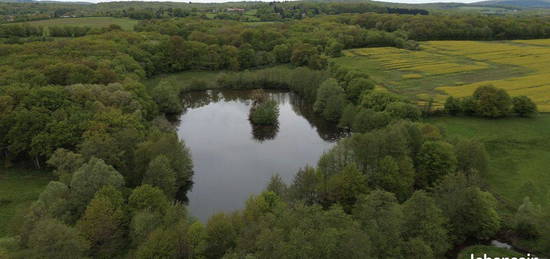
{"x":233,"y":160}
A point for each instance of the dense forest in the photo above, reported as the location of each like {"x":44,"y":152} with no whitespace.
{"x":73,"y":100}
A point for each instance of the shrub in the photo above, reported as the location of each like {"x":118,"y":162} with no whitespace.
{"x":348,"y":116}
{"x":524,"y":106}
{"x":334,"y":108}
{"x":452,"y":106}
{"x":367,"y":120}
{"x":404,"y":111}
{"x":492,"y":102}
{"x":328,"y":89}
{"x":357,"y":86}
{"x":468,"y":105}
{"x":435,"y":160}
{"x":167,"y":97}
{"x":378,"y":101}
{"x":330,"y":101}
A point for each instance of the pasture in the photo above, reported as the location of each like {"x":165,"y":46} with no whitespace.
{"x":519,"y":150}
{"x":457,"y":68}
{"x":93,"y":22}
{"x":18,"y":188}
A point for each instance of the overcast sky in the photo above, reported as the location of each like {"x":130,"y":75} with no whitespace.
{"x":429,"y":1}
{"x":218,"y":1}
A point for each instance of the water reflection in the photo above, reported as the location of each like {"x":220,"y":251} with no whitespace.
{"x":262,"y":133}
{"x":327,"y":130}
{"x":233,"y":159}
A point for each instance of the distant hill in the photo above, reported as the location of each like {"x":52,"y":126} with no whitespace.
{"x":16,"y":1}
{"x":518,"y":3}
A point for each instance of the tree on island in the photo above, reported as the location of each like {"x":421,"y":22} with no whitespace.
{"x":263,"y":111}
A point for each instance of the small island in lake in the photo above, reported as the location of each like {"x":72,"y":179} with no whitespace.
{"x":264,"y":111}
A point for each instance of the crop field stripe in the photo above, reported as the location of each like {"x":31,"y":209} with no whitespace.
{"x":457,"y":68}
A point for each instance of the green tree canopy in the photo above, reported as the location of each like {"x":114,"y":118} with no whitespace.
{"x":524,"y":106}
{"x":89,"y":179}
{"x":52,"y":239}
{"x":435,"y":160}
{"x":492,"y":102}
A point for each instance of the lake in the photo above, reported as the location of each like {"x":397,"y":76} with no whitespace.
{"x":233,"y":160}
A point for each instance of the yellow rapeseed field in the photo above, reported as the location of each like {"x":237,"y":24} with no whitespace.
{"x":457,"y":68}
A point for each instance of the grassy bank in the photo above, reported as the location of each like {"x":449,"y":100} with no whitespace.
{"x":18,"y":189}
{"x":519,"y":150}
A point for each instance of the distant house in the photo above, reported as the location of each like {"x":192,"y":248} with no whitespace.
{"x":240,"y":10}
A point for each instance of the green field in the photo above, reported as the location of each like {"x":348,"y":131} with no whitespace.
{"x":183,"y":78}
{"x":94,"y":22}
{"x":457,"y":68}
{"x":186,"y":77}
{"x":491,"y":251}
{"x":18,"y":188}
{"x":519,"y":151}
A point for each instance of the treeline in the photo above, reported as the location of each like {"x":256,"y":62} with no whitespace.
{"x":142,"y":10}
{"x":457,"y":27}
{"x":274,"y":11}
{"x":184,"y":44}
{"x":298,"y":10}
{"x":20,"y":30}
{"x":20,"y":12}
{"x":491,"y":102}
{"x":264,"y":11}
{"x":149,"y":13}
{"x":27,"y":30}
{"x":68,"y":31}
{"x":301,"y":43}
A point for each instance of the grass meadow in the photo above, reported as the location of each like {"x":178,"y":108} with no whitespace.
{"x":18,"y":188}
{"x":490,"y":251}
{"x":93,"y":22}
{"x":457,"y":68}
{"x":184,"y":78}
{"x":519,"y":151}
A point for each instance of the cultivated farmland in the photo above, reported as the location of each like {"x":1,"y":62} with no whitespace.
{"x":457,"y":68}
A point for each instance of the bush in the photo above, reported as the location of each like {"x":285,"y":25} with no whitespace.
{"x":348,"y":116}
{"x":452,"y":106}
{"x":435,"y":160}
{"x":524,"y":106}
{"x":334,"y":108}
{"x":367,"y":120}
{"x":378,"y":101}
{"x":526,"y":219}
{"x":357,"y":86}
{"x":328,"y":89}
{"x":330,"y":101}
{"x":404,"y":111}
{"x":468,"y":105}
{"x":167,"y":96}
{"x":264,"y":113}
{"x":53,"y":239}
{"x":492,"y":102}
